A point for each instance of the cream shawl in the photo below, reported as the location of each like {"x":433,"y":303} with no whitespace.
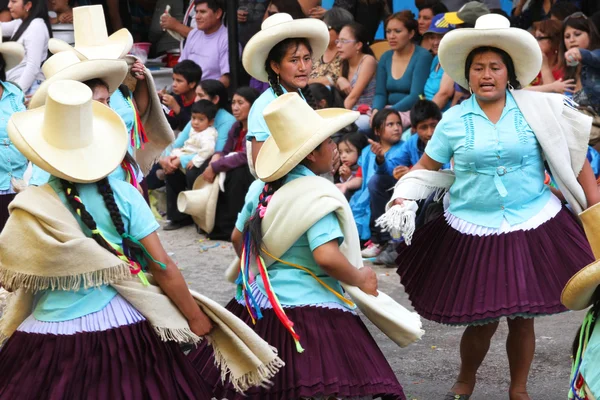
{"x":298,"y":205}
{"x":43,"y":247}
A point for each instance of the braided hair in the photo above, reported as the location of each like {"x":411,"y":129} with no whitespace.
{"x":276,"y":54}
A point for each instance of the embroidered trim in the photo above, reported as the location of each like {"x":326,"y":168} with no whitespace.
{"x":469,"y":132}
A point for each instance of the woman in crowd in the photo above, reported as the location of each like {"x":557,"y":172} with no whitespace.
{"x":13,"y":163}
{"x":427,"y":11}
{"x":232,"y":160}
{"x":403,"y":70}
{"x":327,"y":68}
{"x":31,"y":28}
{"x":357,"y":79}
{"x":502,"y":219}
{"x":439,"y":87}
{"x":281,"y":54}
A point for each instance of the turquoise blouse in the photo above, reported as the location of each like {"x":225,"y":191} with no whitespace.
{"x":499,"y":167}
{"x":119,"y":103}
{"x":257,"y":127}
{"x":12,"y":162}
{"x":139,"y":222}
{"x":293,"y":286}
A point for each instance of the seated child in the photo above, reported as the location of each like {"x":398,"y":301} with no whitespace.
{"x":186,"y":76}
{"x":200,"y":145}
{"x":350,"y":173}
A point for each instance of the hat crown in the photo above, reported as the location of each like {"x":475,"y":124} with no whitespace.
{"x":276,"y":19}
{"x":287,"y":113}
{"x":68,"y":116}
{"x":59,"y":62}
{"x":492,"y":21}
{"x":89,"y":26}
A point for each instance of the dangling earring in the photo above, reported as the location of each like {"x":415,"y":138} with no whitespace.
{"x":278,"y":79}
{"x":510,"y":87}
{"x":470,"y":90}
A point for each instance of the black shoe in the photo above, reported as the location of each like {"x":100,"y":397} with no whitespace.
{"x":388,"y":256}
{"x":174,"y":225}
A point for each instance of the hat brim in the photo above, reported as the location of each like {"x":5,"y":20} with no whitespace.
{"x":13,"y":53}
{"x":520,"y":45}
{"x":204,"y":211}
{"x":85,"y":165}
{"x":258,"y":47}
{"x":578,"y":292}
{"x":272,"y":163}
{"x":113,"y":72}
{"x":117,"y":46}
{"x":452,"y":18}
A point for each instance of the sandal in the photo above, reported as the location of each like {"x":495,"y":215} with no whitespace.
{"x":454,"y":396}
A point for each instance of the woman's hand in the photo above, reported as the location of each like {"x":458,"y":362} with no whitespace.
{"x":216,"y":157}
{"x":137,"y":70}
{"x":573,"y":55}
{"x":336,"y":161}
{"x":344,"y":172}
{"x":560,"y":86}
{"x":66,"y":17}
{"x":344,"y":85}
{"x":399,"y":201}
{"x":368,"y":281}
{"x":175,"y":162}
{"x":316,"y":12}
{"x":165,"y":163}
{"x":201,"y":325}
{"x":242,"y":15}
{"x":209,"y":174}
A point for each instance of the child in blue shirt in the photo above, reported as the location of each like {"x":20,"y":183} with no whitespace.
{"x":186,"y":76}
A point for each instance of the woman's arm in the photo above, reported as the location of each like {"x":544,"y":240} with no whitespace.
{"x":236,"y":240}
{"x":445,"y":92}
{"x":367,"y":71}
{"x":140,"y":94}
{"x":35,"y":41}
{"x":173,"y":284}
{"x":587,"y":180}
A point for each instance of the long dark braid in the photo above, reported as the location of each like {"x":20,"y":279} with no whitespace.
{"x":253,"y":226}
{"x":310,"y":99}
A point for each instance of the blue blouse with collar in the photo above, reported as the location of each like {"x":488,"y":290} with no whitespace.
{"x":12,"y":162}
{"x":499,"y":167}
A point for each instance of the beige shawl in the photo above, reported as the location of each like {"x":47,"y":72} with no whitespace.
{"x":59,"y":256}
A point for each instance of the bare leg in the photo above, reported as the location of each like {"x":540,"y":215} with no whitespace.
{"x":520,"y":347}
{"x":474,"y":346}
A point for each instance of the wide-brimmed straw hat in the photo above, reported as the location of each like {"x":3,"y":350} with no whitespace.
{"x":66,"y":65}
{"x":491,"y":30}
{"x":12,"y":52}
{"x":91,"y":37}
{"x":277,"y":28}
{"x":71,"y":137}
{"x":201,"y":203}
{"x":578,"y":292}
{"x":296,"y":130}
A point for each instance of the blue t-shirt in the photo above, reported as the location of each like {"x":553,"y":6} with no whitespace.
{"x":293,"y":286}
{"x":139,"y":222}
{"x":12,"y":162}
{"x":499,"y":167}
{"x":223,"y":123}
{"x":401,"y":93}
{"x":409,"y":155}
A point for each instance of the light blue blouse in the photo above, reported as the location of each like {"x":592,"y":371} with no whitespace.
{"x":223,"y":123}
{"x":499,"y":167}
{"x":119,"y":103}
{"x":12,"y":162}
{"x":139,"y":222}
{"x":257,"y":127}
{"x":293,"y":286}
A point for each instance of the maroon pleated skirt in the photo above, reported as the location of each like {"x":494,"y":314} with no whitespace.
{"x":456,"y":278}
{"x":129,"y":362}
{"x":5,"y":200}
{"x":340,"y":358}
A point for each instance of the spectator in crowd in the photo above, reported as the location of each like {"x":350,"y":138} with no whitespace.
{"x":31,"y":28}
{"x":579,"y":53}
{"x":4,"y":11}
{"x":63,"y":10}
{"x":250,"y":14}
{"x":456,"y":5}
{"x":291,"y":7}
{"x":368,"y":13}
{"x":232,"y":161}
{"x":403,"y":70}
{"x":208,"y":44}
{"x":186,"y":76}
{"x":357,"y":80}
{"x":427,"y":10}
{"x":466,"y":16}
{"x":184,"y":27}
{"x":214,"y":91}
{"x":327,"y":68}
{"x":562,"y":9}
{"x":350,"y":176}
{"x":326,"y":96}
{"x":537,"y":10}
{"x":439,"y":87}
{"x":12,"y":163}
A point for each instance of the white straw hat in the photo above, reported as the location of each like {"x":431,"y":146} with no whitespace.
{"x":296,"y":130}
{"x":491,"y":30}
{"x":277,"y":28}
{"x":200,"y":203}
{"x":72,"y":137}
{"x":91,"y":37}
{"x":12,"y":52}
{"x":66,"y":65}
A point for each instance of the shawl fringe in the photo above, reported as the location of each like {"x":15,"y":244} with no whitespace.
{"x":184,"y":335}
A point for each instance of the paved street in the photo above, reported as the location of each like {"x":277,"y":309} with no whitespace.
{"x":425,"y":369}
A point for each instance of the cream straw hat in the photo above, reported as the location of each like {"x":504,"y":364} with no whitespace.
{"x":200,"y":203}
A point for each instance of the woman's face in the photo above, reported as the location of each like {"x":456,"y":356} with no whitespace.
{"x":294,"y":68}
{"x":488,"y":77}
{"x":19,"y":9}
{"x":101,"y":94}
{"x":347,"y":45}
{"x":321,"y":159}
{"x":425,"y":17}
{"x":576,"y":38}
{"x":397,"y":35}
{"x":271,"y":10}
{"x":202,"y":95}
{"x":333,"y":35}
{"x":240,"y":107}
{"x":434,"y":42}
{"x":545,"y":42}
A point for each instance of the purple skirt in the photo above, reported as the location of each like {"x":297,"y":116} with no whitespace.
{"x":479,"y":279}
{"x":128,"y":362}
{"x":5,"y":200}
{"x":340,"y":358}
